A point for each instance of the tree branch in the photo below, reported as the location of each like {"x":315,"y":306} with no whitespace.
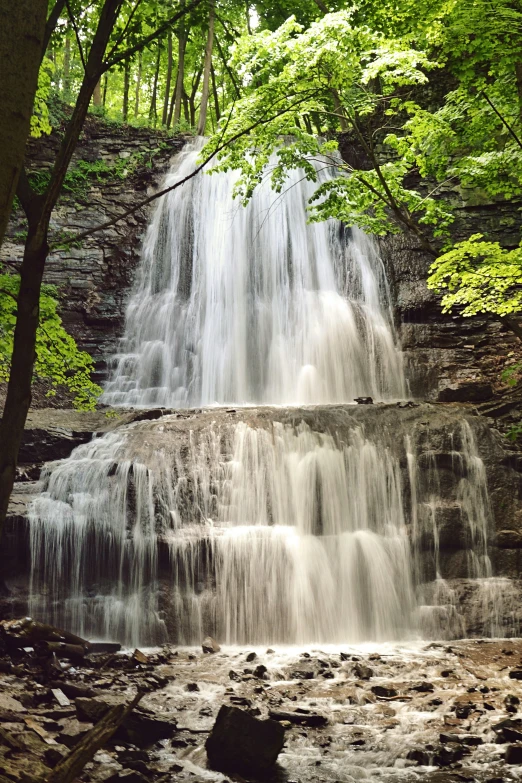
{"x":228,"y":70}
{"x":124,"y":31}
{"x":502,"y":119}
{"x":8,"y":293}
{"x":76,"y":32}
{"x":149,"y":38}
{"x":51,"y":23}
{"x":218,"y":149}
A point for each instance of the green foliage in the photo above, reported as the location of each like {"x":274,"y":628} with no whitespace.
{"x":479,"y":277}
{"x":58,"y":358}
{"x":40,"y":122}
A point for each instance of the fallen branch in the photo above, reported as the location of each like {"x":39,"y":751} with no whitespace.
{"x":71,"y":766}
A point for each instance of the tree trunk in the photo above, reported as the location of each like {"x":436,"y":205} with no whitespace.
{"x":138,"y":86}
{"x":169,"y":78}
{"x":22,"y":27}
{"x":126,"y":86}
{"x":206,"y":72}
{"x":215,"y":94}
{"x":192,"y":97}
{"x":182,"y":46}
{"x":97,"y":94}
{"x":105,"y":85}
{"x":340,"y":111}
{"x":249,"y":27}
{"x":153,"y":111}
{"x":67,"y":65}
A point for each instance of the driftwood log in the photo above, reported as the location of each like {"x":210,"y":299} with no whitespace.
{"x":71,"y":766}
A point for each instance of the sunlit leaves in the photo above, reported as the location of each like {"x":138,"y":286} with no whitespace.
{"x":477,"y":276}
{"x":58,"y":358}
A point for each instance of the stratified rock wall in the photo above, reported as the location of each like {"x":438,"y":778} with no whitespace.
{"x":94,"y":279}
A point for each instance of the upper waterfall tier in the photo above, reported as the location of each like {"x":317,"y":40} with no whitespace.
{"x":238,"y":305}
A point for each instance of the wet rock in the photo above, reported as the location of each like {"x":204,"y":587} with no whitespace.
{"x":72,"y":731}
{"x":302,"y":674}
{"x":362,"y":672}
{"x":384,"y":691}
{"x":420,"y":756}
{"x":448,"y":754}
{"x":209,"y":645}
{"x":515,"y":674}
{"x":251,"y":657}
{"x":234,"y":675}
{"x":138,"y":728}
{"x":514,"y":754}
{"x":241,"y":743}
{"x":423,"y":687}
{"x":127,"y":776}
{"x":472,"y":391}
{"x":470,"y":740}
{"x":260,"y":671}
{"x":300,"y":717}
{"x":192,"y":687}
{"x":512,"y":703}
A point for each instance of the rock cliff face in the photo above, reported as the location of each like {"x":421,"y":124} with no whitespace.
{"x":94,"y":278}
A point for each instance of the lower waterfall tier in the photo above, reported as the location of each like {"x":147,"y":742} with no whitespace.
{"x":277,"y":525}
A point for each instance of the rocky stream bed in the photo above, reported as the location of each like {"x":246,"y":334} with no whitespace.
{"x":434,"y":712}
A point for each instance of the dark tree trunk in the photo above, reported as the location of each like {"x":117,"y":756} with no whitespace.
{"x":164,"y":117}
{"x":215,"y":94}
{"x":22,"y":28}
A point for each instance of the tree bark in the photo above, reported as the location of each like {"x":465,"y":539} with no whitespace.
{"x":206,"y":71}
{"x":97,"y":94}
{"x":22,"y":28}
{"x":67,"y":66}
{"x":215,"y":94}
{"x":138,"y":86}
{"x":153,"y":111}
{"x":126,"y":87}
{"x":169,"y":79}
{"x":192,"y":97}
{"x":182,"y":46}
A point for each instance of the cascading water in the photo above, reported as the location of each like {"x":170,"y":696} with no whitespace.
{"x":257,"y":524}
{"x":253,"y":306}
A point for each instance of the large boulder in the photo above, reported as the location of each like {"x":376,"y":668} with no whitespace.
{"x":241,"y":743}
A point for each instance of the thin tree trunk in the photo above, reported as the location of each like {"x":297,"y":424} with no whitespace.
{"x":186,"y":108}
{"x":182,"y":46}
{"x":340,"y":111}
{"x":22,"y":28}
{"x":215,"y":93}
{"x":192,"y":97}
{"x":67,"y":65}
{"x":97,"y":94}
{"x":206,"y":71}
{"x":153,"y":111}
{"x":126,"y":86}
{"x":105,"y":86}
{"x":169,"y":78}
{"x":249,"y":27}
{"x":138,"y":85}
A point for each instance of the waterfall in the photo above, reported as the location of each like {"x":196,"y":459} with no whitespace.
{"x":262,"y":524}
{"x":252,"y":305}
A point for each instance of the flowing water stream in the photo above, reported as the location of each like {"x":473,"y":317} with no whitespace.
{"x":283,"y":525}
